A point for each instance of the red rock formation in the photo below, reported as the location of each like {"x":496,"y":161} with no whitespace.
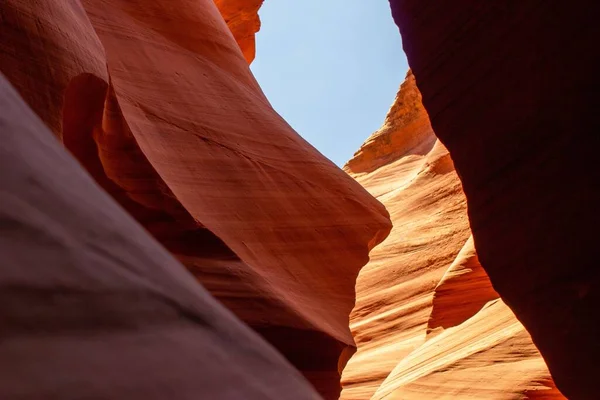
{"x":511,"y":88}
{"x":156,"y":101}
{"x":404,"y":167}
{"x":243,"y":21}
{"x":93,"y":307}
{"x":421,"y":322}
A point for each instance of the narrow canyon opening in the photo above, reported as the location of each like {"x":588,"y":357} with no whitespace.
{"x":331,"y":75}
{"x":168,"y":234}
{"x":425,"y":310}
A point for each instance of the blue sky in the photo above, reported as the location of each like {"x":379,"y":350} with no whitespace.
{"x":331,"y":68}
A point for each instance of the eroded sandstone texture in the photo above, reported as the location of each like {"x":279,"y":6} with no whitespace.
{"x":427,"y":322}
{"x":512,"y":91}
{"x":92,"y":307}
{"x":155,"y":99}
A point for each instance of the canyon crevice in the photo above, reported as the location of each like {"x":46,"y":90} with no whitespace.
{"x":166,"y":234}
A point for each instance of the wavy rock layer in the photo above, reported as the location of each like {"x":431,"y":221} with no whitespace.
{"x":156,"y":101}
{"x":93,"y":307}
{"x":489,"y":356}
{"x":421,"y":322}
{"x":463,"y":290}
{"x":514,"y":98}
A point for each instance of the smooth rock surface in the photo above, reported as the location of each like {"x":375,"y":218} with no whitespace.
{"x":463,"y":290}
{"x":156,"y":100}
{"x":489,"y":356}
{"x":512,"y":91}
{"x":93,"y":307}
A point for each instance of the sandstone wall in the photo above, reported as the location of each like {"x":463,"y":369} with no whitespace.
{"x":511,"y":89}
{"x":427,"y":322}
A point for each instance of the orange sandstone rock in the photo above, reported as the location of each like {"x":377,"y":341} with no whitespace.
{"x":156,"y":100}
{"x":421,"y":322}
{"x":463,"y":290}
{"x":489,"y":356}
{"x":242,"y":19}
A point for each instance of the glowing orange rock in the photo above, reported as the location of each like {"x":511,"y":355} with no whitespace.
{"x":423,"y":321}
{"x":243,"y":21}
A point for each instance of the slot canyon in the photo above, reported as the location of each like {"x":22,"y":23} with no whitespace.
{"x":166,"y":234}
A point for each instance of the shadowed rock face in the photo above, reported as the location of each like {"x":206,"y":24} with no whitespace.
{"x":427,"y":322}
{"x":511,"y":89}
{"x":156,"y":100}
{"x":93,"y":307}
